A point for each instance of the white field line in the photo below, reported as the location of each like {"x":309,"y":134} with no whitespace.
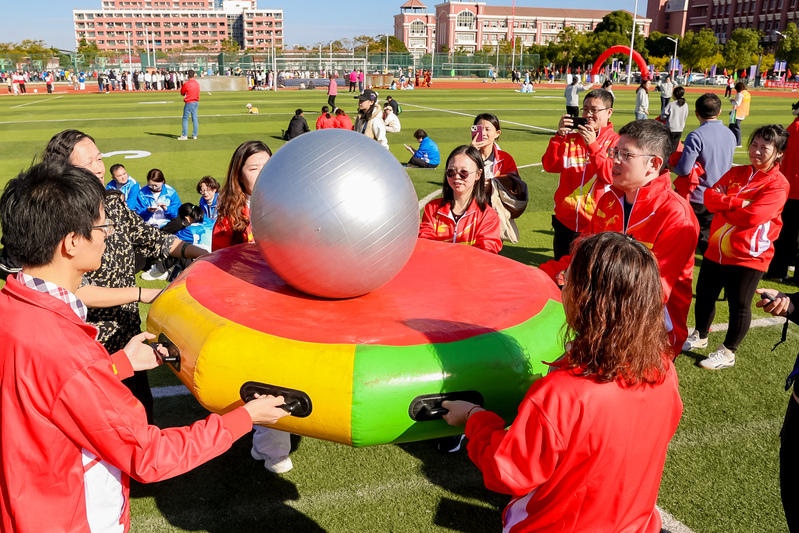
{"x":472,"y":115}
{"x":37,"y":101}
{"x":671,"y":524}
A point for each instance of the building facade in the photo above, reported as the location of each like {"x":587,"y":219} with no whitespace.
{"x":170,"y":25}
{"x":470,"y":25}
{"x":723,"y":16}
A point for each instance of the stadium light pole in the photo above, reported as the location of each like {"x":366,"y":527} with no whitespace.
{"x":385,"y":71}
{"x":632,"y":43}
{"x":513,"y":36}
{"x":674,"y":57}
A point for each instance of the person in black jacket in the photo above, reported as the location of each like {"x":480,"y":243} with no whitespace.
{"x":779,"y":304}
{"x":297,"y":126}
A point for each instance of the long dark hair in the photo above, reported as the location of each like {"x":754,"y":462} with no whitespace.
{"x":613,"y":298}
{"x":232,"y":198}
{"x":678,"y":94}
{"x":479,"y":192}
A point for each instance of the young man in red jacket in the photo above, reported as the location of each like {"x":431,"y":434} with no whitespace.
{"x":642,"y":204}
{"x":191,"y":99}
{"x":579,"y":155}
{"x":70,"y":432}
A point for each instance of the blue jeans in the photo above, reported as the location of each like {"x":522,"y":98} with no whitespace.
{"x":190,"y":108}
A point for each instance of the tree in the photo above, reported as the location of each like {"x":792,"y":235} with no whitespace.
{"x":738,"y":51}
{"x":661,"y":64}
{"x":86,"y":48}
{"x":788,"y":49}
{"x":697,"y":50}
{"x":229,"y":46}
{"x":615,"y":22}
{"x":766,"y":62}
{"x":658,"y":44}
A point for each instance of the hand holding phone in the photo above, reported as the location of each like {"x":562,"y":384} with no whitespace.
{"x":477,"y":133}
{"x":579,"y":121}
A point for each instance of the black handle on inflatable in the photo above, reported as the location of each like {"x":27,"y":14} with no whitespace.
{"x":173,"y":352}
{"x":297,"y":403}
{"x":428,"y":406}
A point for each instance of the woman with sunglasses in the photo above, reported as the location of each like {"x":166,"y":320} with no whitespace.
{"x":587,"y":448}
{"x":463,"y":214}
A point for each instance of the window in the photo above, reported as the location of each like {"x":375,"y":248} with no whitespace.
{"x":417,"y":28}
{"x":465,"y":19}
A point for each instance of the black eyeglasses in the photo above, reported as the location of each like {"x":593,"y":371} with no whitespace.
{"x":451,"y":173}
{"x":108,"y":229}
{"x":624,"y":155}
{"x":592,"y":112}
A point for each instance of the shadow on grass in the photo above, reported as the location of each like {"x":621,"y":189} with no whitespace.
{"x":168,"y":135}
{"x":231,"y":493}
{"x":457,"y":474}
{"x":529,"y":256}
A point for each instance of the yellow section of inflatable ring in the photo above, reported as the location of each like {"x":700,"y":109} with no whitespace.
{"x":214,"y":368}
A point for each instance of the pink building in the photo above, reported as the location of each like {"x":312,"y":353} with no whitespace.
{"x":469,"y":25}
{"x":178,"y":24}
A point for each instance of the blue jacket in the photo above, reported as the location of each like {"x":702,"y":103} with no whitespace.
{"x":428,"y":152}
{"x":198,"y":234}
{"x":713,"y":145}
{"x":130,"y":190}
{"x":168,"y":196}
{"x":209,"y":212}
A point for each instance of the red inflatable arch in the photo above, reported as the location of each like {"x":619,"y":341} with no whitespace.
{"x":621,"y":49}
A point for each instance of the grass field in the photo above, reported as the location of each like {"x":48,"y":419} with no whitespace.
{"x":722,"y":469}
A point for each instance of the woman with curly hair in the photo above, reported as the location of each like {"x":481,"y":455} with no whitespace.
{"x":233,"y":222}
{"x":587,"y":448}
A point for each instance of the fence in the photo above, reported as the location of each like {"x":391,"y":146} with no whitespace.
{"x":211,"y":63}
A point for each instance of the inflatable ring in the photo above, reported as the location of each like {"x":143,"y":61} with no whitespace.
{"x":456,"y":322}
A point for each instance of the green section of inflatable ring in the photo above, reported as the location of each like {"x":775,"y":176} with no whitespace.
{"x":501,"y":365}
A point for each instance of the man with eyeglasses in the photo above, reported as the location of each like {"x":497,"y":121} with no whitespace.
{"x":579,"y":155}
{"x":712,"y":145}
{"x":71,"y":434}
{"x":641,"y":203}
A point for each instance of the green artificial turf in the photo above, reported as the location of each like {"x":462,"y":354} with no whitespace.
{"x":722,"y":469}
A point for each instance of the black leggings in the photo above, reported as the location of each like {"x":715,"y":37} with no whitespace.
{"x":789,"y":465}
{"x":739,"y":284}
{"x":331,"y":101}
{"x":563,"y":238}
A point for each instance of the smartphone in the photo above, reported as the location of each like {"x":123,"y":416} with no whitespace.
{"x":579,"y":121}
{"x":768,"y":297}
{"x":477,"y":133}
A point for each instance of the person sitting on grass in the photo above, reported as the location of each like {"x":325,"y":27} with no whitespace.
{"x":71,"y":434}
{"x":325,"y":120}
{"x":747,"y":202}
{"x":122,"y":182}
{"x":343,"y":120}
{"x":427,"y":155}
{"x":463,"y":214}
{"x":390,"y":119}
{"x":208,"y":189}
{"x":157,"y":203}
{"x":297,"y":126}
{"x":604,"y":414}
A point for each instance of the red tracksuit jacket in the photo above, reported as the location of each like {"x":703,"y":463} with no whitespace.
{"x":790,"y":161}
{"x":740,"y":235}
{"x":665,"y":223}
{"x":585,"y":171}
{"x":580,"y":455}
{"x":475,"y":227}
{"x":71,"y":432}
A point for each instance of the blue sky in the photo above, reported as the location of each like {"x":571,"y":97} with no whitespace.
{"x":306,"y":21}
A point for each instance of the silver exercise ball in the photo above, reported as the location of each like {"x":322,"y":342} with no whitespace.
{"x":334,"y":214}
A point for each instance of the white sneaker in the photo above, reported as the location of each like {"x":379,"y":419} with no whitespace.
{"x":721,"y":358}
{"x":278,"y":465}
{"x":154,"y":274}
{"x":693,"y":342}
{"x":182,"y":138}
{"x":194,"y":137}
